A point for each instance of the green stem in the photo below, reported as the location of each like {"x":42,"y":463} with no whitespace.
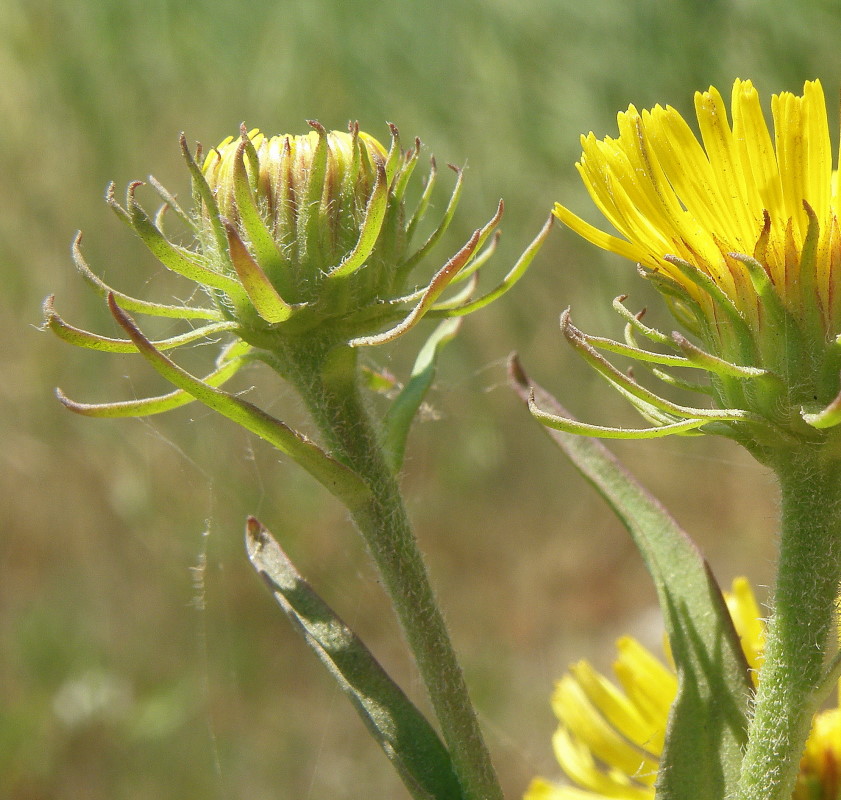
{"x":798,"y":638}
{"x":327,"y":381}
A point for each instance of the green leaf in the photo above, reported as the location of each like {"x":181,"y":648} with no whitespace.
{"x":370,"y":230}
{"x":423,"y":204}
{"x":202,"y":193}
{"x":514,"y":275}
{"x":399,"y":418}
{"x":641,"y":398}
{"x":436,"y":235}
{"x":260,"y":290}
{"x":309,"y":209}
{"x":401,"y":730}
{"x":266,"y":251}
{"x":707,"y":724}
{"x":174,"y":258}
{"x":132,"y":304}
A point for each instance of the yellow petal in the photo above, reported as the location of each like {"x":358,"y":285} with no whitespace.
{"x":619,"y":709}
{"x":741,"y":603}
{"x":578,"y":764}
{"x":590,"y":728}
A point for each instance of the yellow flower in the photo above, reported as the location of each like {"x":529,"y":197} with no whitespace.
{"x":739,"y":230}
{"x":610,"y":738}
{"x":737,"y":191}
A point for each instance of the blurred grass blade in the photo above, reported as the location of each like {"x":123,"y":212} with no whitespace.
{"x":402,"y":412}
{"x":707,"y":723}
{"x":401,"y":730}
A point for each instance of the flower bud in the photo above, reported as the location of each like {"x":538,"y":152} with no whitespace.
{"x":296,"y":241}
{"x":308,"y":207}
{"x":314,"y":232}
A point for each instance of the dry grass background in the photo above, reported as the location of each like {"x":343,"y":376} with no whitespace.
{"x":140,"y":656}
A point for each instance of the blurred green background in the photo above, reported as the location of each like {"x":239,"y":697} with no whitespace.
{"x":141,"y":658}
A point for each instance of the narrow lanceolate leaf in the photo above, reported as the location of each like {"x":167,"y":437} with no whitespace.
{"x":265,"y":248}
{"x":574,"y":427}
{"x":716,"y":365}
{"x":436,"y":235}
{"x":132,"y":304}
{"x":642,"y":398}
{"x":707,"y":724}
{"x":635,"y":322}
{"x":517,"y":272}
{"x":395,"y":153}
{"x":370,"y":231}
{"x":637,"y":353}
{"x":399,"y":185}
{"x":339,"y":479}
{"x":170,"y":201}
{"x":309,"y":209}
{"x":423,"y":202}
{"x":480,"y":260}
{"x":402,"y":412}
{"x":399,"y":728}
{"x":174,"y":258}
{"x":202,"y":192}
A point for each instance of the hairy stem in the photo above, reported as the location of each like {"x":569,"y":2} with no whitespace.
{"x":327,"y":381}
{"x":798,"y":636}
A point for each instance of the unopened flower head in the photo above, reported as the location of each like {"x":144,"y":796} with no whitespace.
{"x":315,"y":229}
{"x":739,"y":230}
{"x":610,"y":738}
{"x":323,"y":203}
{"x":295,"y":241}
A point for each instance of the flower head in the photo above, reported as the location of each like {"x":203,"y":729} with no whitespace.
{"x":310,"y":210}
{"x":303,"y":241}
{"x":739,"y":230}
{"x":737,"y":193}
{"x":610,"y":737}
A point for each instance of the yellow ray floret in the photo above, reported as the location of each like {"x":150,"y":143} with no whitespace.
{"x":610,"y":737}
{"x":738,"y":188}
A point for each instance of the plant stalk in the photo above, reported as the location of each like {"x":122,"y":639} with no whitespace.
{"x":327,"y":381}
{"x":798,"y":639}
